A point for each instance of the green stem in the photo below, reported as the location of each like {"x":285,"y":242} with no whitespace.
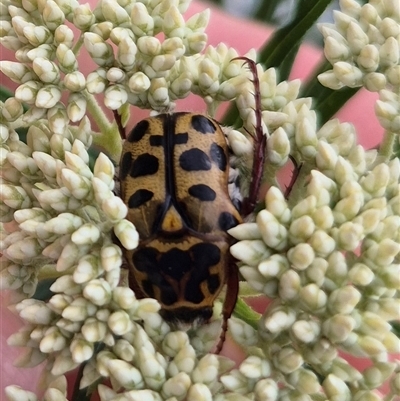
{"x":386,"y":146}
{"x":78,"y":45}
{"x":109,"y":137}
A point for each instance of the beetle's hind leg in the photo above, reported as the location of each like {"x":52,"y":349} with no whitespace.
{"x":232,"y":291}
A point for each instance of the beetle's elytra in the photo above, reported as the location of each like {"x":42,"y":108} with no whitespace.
{"x":174,"y":178}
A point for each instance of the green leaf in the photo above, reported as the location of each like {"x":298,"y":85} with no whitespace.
{"x":266,"y":11}
{"x":282,"y":42}
{"x":246,"y":313}
{"x":43,"y":292}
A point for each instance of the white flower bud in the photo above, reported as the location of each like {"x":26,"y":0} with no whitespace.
{"x":206,"y":370}
{"x":356,"y":37}
{"x":196,"y":42}
{"x":344,"y":300}
{"x":75,"y":81}
{"x":11,"y":111}
{"x":338,"y":328}
{"x":273,"y":233}
{"x":35,"y":312}
{"x":335,"y":50}
{"x":37,"y":35}
{"x":266,"y":390}
{"x":312,"y":297}
{"x":115,"y":96}
{"x":306,"y":331}
{"x":142,"y":22}
{"x":149,"y":45}
{"x":98,"y":292}
{"x":48,"y":96}
{"x":278,"y":146}
{"x":127,"y":234}
{"x":288,"y":360}
{"x":58,"y":119}
{"x":139,"y":83}
{"x":250,"y":252}
{"x":96,"y":81}
{"x":83,"y":17}
{"x":328,"y":79}
{"x":120,"y":323}
{"x":115,"y":13}
{"x":322,"y":243}
{"x":125,"y":374}
{"x":52,"y":15}
{"x":100,"y":51}
{"x":87,"y":269}
{"x":245,"y":231}
{"x":86,"y":234}
{"x":16,"y":393}
{"x":199,"y":392}
{"x":28,"y":91}
{"x":239,"y":143}
{"x":279,"y":319}
{"x":53,"y":341}
{"x":64,"y":34}
{"x":301,"y":256}
{"x":158,"y":92}
{"x":76,"y":108}
{"x":176,"y":386}
{"x":348,"y":74}
{"x":368,"y":58}
{"x":81,"y":350}
{"x":254,"y":367}
{"x":14,"y":197}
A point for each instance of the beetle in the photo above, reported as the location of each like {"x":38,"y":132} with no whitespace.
{"x":174,"y":173}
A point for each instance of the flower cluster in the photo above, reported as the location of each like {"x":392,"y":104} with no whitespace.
{"x":326,"y":250}
{"x":330,"y":263}
{"x":363,"y":46}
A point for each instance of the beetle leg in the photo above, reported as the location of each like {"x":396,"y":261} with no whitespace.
{"x":232,"y":291}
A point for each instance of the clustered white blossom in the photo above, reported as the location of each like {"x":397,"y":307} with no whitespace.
{"x":328,"y":255}
{"x":363,"y":46}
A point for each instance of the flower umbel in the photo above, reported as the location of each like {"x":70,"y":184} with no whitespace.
{"x":325,"y":250}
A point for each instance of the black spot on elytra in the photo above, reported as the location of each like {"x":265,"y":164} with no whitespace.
{"x":145,"y":164}
{"x":213,"y":283}
{"x":203,"y":124}
{"x":202,"y":192}
{"x":194,"y":160}
{"x":140,"y":197}
{"x":204,"y":256}
{"x":156,"y":140}
{"x":145,"y":260}
{"x":218,"y":156}
{"x":193,"y":292}
{"x":125,"y":165}
{"x":175,"y":263}
{"x":180,"y":139}
{"x":227,"y":220}
{"x":138,"y":131}
{"x":147,"y":288}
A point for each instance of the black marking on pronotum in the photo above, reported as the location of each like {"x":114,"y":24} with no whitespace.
{"x":218,"y":156}
{"x":226,"y":221}
{"x":202,"y":192}
{"x":145,"y":164}
{"x":140,"y":197}
{"x":139,"y":131}
{"x":194,"y":160}
{"x":203,"y":124}
{"x":159,"y":140}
